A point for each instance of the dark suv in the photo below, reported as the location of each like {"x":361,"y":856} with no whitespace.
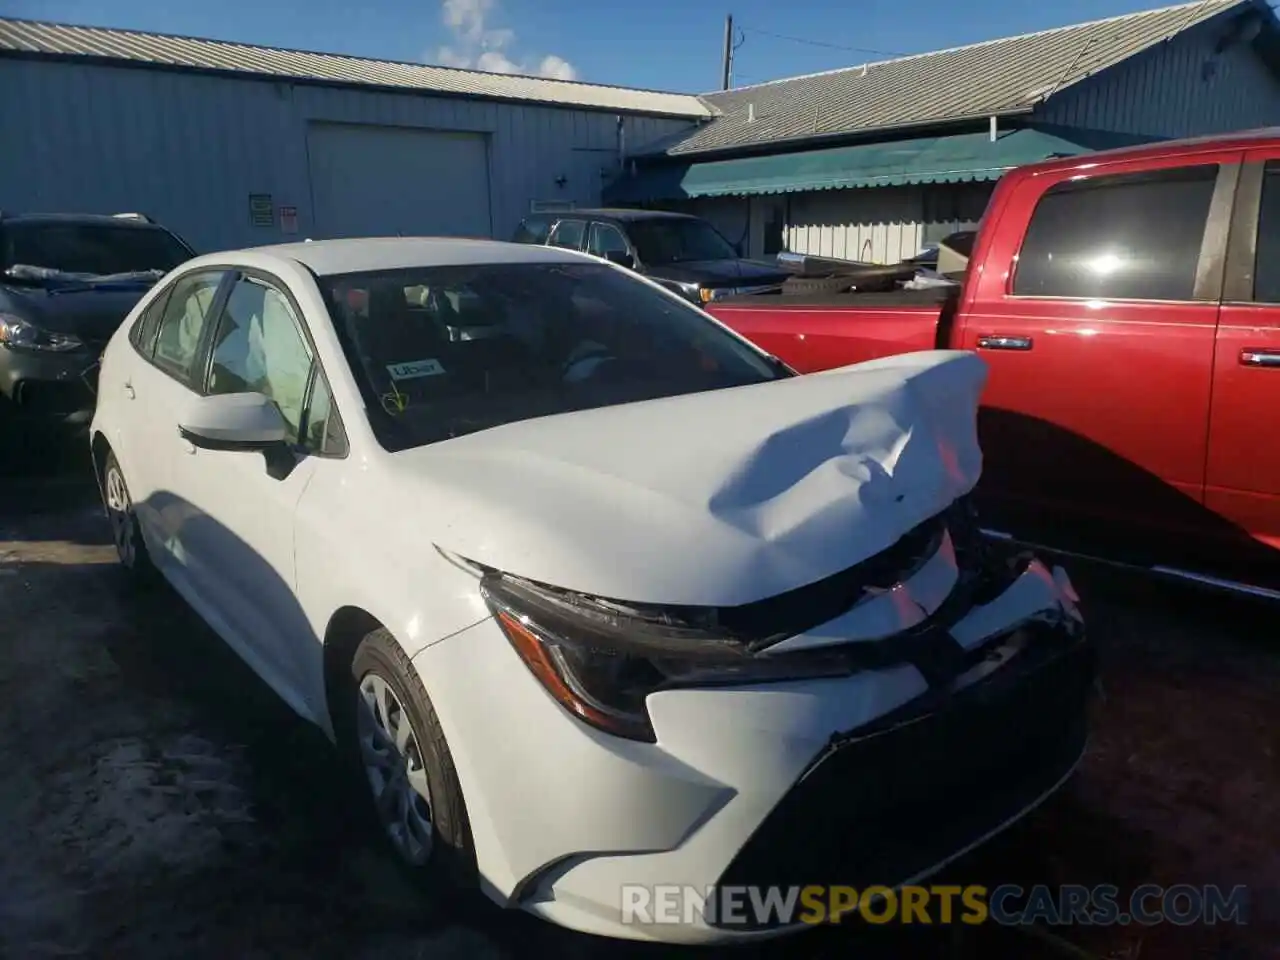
{"x":682,"y":252}
{"x":67,"y":281}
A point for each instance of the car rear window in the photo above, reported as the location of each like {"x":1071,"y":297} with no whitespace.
{"x":663,"y":240}
{"x":99,"y":249}
{"x":1124,"y":237}
{"x":533,"y":230}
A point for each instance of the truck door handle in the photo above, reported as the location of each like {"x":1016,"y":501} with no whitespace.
{"x":1004,"y":343}
{"x":1259,"y":357}
{"x":129,"y":391}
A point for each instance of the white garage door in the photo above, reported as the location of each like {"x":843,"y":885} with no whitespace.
{"x":388,"y":181}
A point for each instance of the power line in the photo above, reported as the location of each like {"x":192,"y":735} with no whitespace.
{"x":821,"y":43}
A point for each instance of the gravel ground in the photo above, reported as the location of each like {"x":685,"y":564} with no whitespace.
{"x":160,"y":802}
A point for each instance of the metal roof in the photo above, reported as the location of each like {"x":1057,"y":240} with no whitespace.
{"x":998,"y":77}
{"x":38,"y":38}
{"x":952,"y":158}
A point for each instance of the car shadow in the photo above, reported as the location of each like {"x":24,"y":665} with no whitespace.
{"x":1049,"y":485}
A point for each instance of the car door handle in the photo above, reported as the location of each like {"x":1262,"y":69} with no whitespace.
{"x":1259,"y":357}
{"x":1004,"y":343}
{"x":129,"y":391}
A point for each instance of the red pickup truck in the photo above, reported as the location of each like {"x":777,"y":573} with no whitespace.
{"x":1128,"y":306}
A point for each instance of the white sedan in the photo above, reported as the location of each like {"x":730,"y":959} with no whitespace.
{"x":595,"y":596}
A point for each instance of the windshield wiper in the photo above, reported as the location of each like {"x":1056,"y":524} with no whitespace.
{"x":127,"y":279}
{"x":41,"y":276}
{"x":68,"y":281}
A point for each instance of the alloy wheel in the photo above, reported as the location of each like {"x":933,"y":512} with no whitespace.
{"x":391,"y":753}
{"x":120,"y":515}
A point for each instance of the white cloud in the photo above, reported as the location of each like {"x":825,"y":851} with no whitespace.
{"x":478,"y":45}
{"x":494,"y":61}
{"x":557,"y":68}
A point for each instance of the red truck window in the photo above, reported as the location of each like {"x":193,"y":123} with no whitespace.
{"x":1266,"y":269}
{"x":1119,"y":237}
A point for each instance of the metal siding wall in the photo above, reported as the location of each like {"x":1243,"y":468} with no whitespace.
{"x":880,"y":224}
{"x":1165,"y":91}
{"x":189,"y":149}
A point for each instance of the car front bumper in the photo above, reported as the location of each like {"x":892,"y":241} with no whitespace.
{"x":49,"y":387}
{"x":866,"y":779}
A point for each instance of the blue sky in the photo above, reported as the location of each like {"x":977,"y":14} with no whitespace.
{"x":661,"y":44}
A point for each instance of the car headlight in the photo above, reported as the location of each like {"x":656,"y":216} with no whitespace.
{"x":699,"y":294}
{"x":24,"y":335}
{"x":600,"y":660}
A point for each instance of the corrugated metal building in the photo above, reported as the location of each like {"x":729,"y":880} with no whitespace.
{"x":873,"y":162}
{"x":235,"y":145}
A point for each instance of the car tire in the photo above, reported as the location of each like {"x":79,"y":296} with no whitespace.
{"x":385,"y":692}
{"x":126,"y":534}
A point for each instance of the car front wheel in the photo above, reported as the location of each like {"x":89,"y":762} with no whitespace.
{"x":406,"y":766}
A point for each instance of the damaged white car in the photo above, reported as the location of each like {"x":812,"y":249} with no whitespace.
{"x":595,"y":596}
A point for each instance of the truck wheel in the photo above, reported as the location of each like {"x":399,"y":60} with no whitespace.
{"x":809,"y":286}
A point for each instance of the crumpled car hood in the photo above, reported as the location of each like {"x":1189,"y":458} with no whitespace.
{"x":718,"y":498}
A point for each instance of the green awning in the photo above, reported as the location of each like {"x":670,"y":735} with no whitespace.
{"x":943,"y":159}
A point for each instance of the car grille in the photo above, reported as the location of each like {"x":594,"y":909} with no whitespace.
{"x":892,"y":800}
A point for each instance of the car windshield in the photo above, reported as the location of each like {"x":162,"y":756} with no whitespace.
{"x":674,"y":240}
{"x":444,"y":351}
{"x":90,"y":248}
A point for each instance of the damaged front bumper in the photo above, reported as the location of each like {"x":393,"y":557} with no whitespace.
{"x":879,"y":776}
{"x":894,"y":800}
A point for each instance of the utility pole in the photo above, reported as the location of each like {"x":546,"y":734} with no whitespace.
{"x":728,"y":52}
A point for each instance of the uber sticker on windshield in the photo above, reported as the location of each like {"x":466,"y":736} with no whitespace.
{"x":414,"y":369}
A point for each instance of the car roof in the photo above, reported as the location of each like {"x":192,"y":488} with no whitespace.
{"x":1189,"y":146}
{"x":96,"y":219}
{"x":613,"y":213}
{"x":328,"y":257}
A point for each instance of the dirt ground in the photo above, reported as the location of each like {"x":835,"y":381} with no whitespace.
{"x":159,"y":802}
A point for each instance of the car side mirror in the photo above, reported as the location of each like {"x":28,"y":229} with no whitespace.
{"x":621,"y":259}
{"x":234,"y":422}
{"x":240,"y":423}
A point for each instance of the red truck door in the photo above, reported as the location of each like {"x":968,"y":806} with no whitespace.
{"x":1095,"y":306}
{"x":1243,"y":471}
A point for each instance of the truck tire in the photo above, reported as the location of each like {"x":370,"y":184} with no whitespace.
{"x":810,"y":286}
